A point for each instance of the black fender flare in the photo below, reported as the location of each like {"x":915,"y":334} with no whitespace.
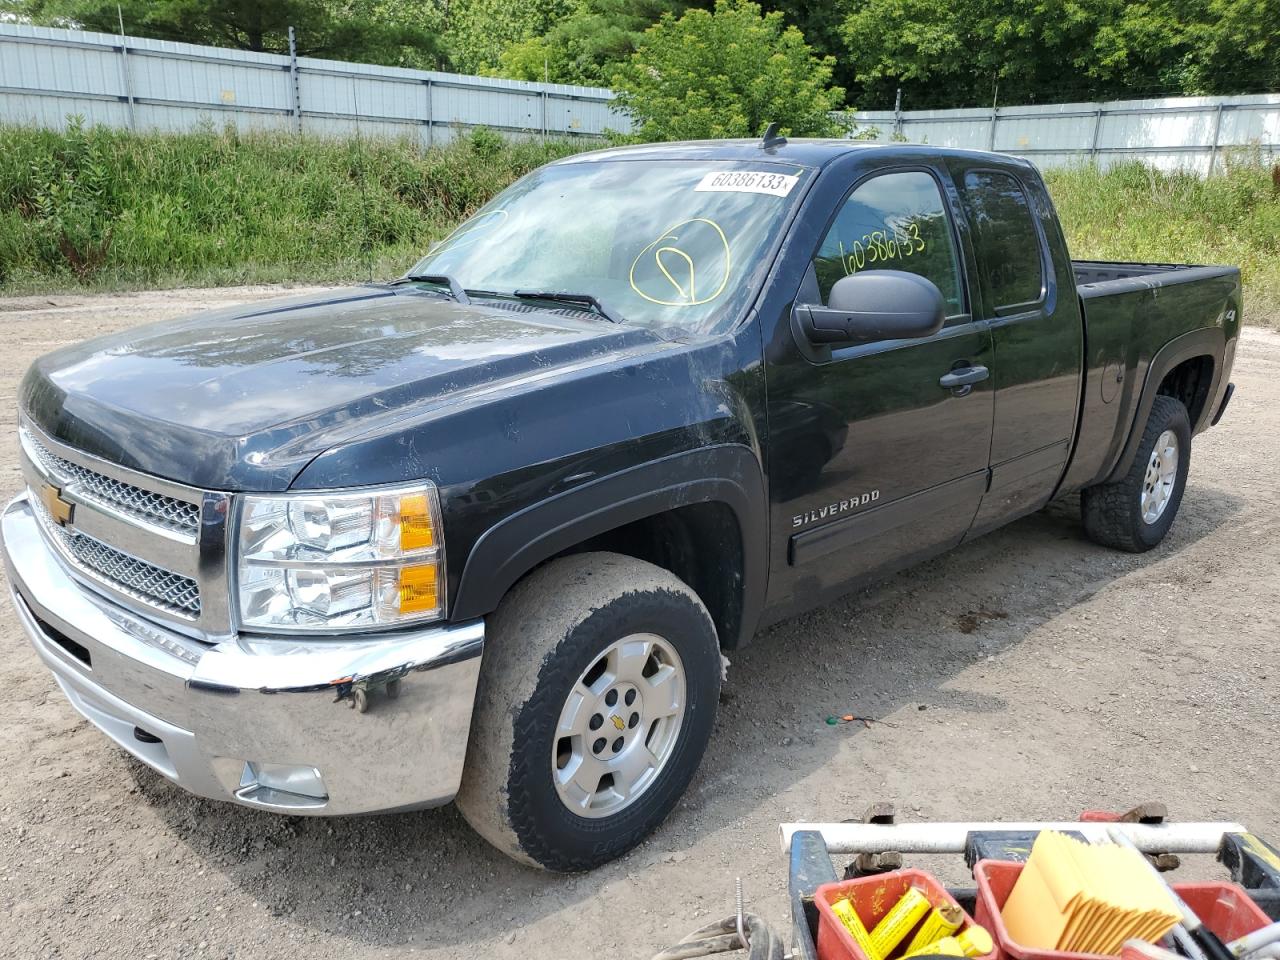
{"x":1207,"y":341}
{"x":729,"y":473}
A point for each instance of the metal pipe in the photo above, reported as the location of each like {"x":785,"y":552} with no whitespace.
{"x":1217,"y":133}
{"x":951,"y":837}
{"x":1251,"y":942}
{"x":128,"y":71}
{"x":984,"y":115}
{"x":295,"y":79}
{"x":431,"y":113}
{"x":739,"y":919}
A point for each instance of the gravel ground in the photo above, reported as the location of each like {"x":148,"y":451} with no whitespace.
{"x":1027,"y":675}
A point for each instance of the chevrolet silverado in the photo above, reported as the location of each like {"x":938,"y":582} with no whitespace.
{"x":483,"y":532}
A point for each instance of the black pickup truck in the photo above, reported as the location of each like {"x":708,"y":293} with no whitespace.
{"x":483,"y":532}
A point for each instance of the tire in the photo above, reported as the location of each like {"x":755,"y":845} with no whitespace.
{"x":1116,"y":514}
{"x":522,"y":787}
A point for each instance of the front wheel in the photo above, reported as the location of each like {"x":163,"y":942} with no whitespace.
{"x":596,"y":701}
{"x":1135,"y":513}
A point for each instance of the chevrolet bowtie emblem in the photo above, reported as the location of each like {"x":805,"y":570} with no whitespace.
{"x":60,"y":510}
{"x":618,"y":721}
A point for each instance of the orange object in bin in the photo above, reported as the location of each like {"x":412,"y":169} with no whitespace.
{"x":1222,"y":907}
{"x":873,"y":897}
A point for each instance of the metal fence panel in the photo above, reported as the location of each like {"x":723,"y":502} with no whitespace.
{"x":1191,"y":133}
{"x":47,"y":75}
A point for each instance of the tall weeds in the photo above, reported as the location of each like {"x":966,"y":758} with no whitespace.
{"x":1134,"y":212}
{"x":110,"y":209}
{"x":106,"y":209}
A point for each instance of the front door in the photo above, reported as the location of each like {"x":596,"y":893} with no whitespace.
{"x":877,"y":454}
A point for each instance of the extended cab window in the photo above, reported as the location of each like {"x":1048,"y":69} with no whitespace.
{"x":896,"y":221}
{"x":1008,"y":243}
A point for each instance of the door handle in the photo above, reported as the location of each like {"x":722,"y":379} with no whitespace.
{"x":963,"y":377}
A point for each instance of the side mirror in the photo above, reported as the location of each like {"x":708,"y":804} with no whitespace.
{"x":874,"y":305}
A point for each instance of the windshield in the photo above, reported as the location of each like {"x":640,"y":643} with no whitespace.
{"x":655,"y":241}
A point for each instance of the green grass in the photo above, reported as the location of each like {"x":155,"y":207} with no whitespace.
{"x":100,"y":209}
{"x":1132,"y":212}
{"x":103,"y":209}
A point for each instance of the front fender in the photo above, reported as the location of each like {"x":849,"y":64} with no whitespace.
{"x":727,"y":473}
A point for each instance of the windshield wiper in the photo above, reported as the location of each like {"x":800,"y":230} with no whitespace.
{"x":444,"y":279}
{"x":561,"y":296}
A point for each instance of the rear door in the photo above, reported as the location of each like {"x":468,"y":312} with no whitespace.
{"x":873,"y":458}
{"x":1030,"y":306}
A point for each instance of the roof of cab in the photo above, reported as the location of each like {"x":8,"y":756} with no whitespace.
{"x":805,"y":152}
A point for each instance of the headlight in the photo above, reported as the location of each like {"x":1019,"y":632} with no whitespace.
{"x":318,"y":562}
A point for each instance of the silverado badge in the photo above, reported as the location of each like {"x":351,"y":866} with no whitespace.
{"x":834,"y":509}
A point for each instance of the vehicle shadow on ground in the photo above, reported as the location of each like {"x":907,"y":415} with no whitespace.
{"x":426,"y":878}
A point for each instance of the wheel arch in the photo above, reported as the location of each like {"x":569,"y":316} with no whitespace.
{"x":1187,"y":368}
{"x":1189,"y":381}
{"x":677,"y":512}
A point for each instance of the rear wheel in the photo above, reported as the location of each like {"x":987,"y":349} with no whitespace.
{"x":1136,"y":512}
{"x":596,"y":702}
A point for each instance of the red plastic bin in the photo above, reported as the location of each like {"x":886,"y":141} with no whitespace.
{"x":1222,"y":907}
{"x":872,"y":898}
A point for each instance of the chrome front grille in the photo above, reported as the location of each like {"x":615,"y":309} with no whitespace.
{"x":165,"y":511}
{"x":130,"y":575}
{"x":141,"y":540}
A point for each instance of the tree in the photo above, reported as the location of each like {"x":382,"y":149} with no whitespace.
{"x":726,"y":73}
{"x":425,"y":18}
{"x":586,"y":46}
{"x":958,"y":53}
{"x":480,"y":30}
{"x":1199,"y":46}
{"x":820,"y":22}
{"x":1242,"y":49}
{"x":342,"y":31}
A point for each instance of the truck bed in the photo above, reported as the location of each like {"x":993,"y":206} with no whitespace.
{"x":1091,"y":273}
{"x":1131,"y":310}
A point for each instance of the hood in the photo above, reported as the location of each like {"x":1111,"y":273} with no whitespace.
{"x":243,"y":398}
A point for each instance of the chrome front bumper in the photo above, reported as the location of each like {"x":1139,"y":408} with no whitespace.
{"x":319,"y":727}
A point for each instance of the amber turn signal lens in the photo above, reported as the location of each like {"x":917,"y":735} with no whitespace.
{"x":418,"y":589}
{"x":416,"y":531}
